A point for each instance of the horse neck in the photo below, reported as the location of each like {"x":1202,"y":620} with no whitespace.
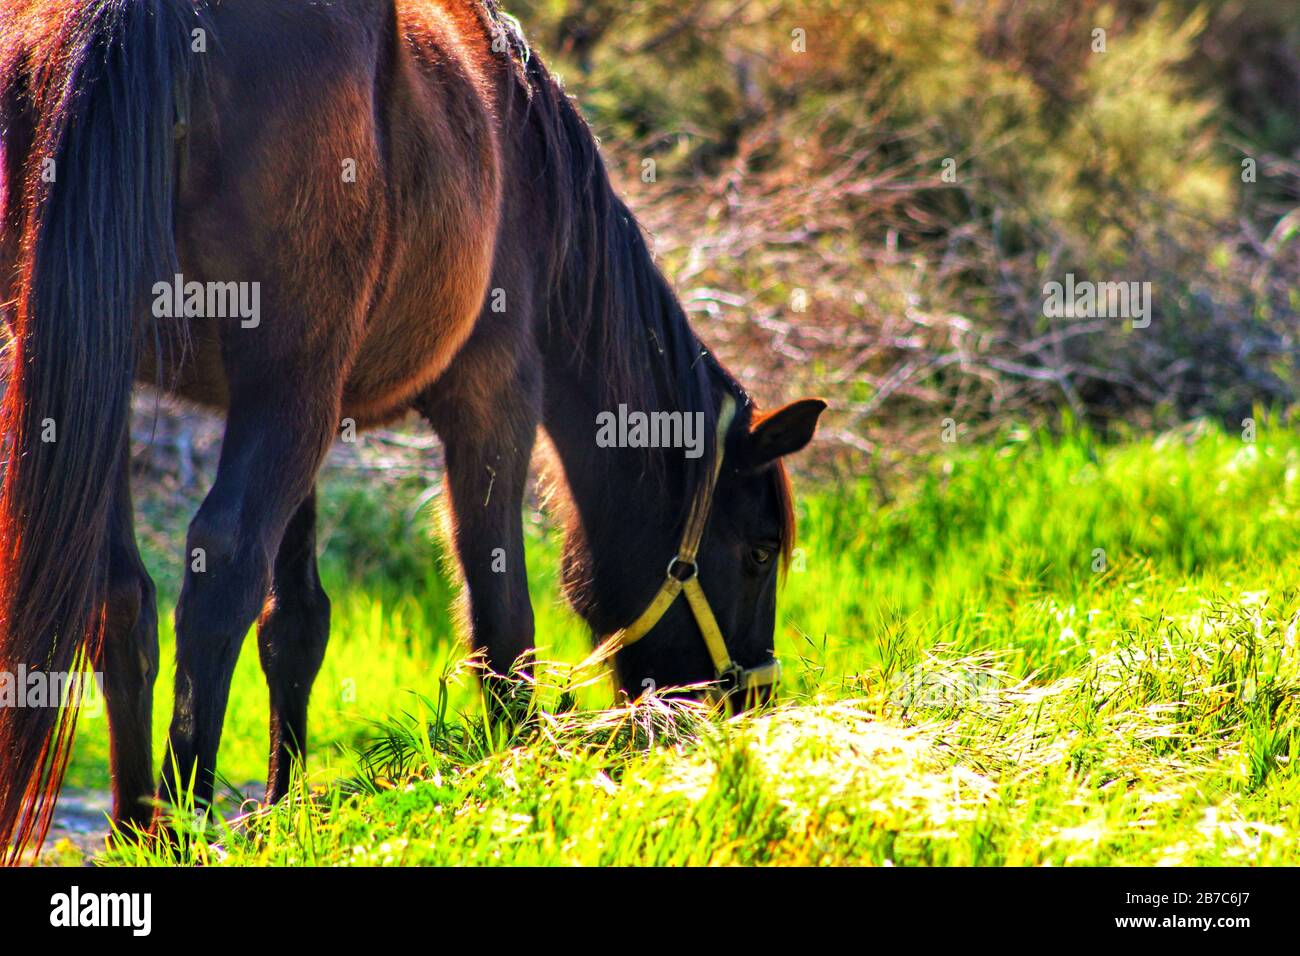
{"x":614,"y":334}
{"x":629,"y":503}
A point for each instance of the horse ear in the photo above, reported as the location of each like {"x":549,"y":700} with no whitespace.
{"x":783,"y":432}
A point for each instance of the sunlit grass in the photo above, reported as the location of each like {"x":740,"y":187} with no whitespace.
{"x":1046,"y":651}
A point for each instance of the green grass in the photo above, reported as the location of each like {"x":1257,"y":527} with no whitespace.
{"x":966,"y":683}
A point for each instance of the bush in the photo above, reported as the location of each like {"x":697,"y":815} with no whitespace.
{"x":800,"y":202}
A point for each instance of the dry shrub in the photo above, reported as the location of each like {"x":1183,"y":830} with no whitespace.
{"x":799,"y":203}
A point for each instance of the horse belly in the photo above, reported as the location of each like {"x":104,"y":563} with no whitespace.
{"x":425,"y":314}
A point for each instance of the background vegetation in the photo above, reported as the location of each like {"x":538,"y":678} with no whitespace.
{"x":799,"y":200}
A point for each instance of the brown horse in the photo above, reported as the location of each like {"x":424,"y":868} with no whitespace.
{"x":314,"y":215}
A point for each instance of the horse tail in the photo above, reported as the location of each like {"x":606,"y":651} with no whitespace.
{"x":97,"y":233}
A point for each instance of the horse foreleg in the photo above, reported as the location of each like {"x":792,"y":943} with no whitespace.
{"x":488,"y":438}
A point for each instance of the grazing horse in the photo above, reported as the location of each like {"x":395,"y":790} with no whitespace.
{"x":315,"y":215}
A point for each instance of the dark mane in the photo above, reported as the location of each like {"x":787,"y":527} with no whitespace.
{"x":619,"y":309}
{"x":610,"y":303}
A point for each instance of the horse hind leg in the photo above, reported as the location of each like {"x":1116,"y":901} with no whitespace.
{"x":280,"y":217}
{"x":291,"y":639}
{"x":279,"y":426}
{"x":128,"y":660}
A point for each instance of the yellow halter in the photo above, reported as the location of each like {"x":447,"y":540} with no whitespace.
{"x":683,"y":577}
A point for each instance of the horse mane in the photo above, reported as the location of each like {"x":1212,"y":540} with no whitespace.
{"x":612,"y":298}
{"x":612,"y":303}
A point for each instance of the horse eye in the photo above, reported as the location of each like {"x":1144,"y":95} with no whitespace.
{"x":760,"y":555}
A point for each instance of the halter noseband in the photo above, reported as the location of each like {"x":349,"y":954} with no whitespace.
{"x":683,"y":577}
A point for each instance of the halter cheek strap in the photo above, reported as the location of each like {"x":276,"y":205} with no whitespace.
{"x":683,"y":577}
